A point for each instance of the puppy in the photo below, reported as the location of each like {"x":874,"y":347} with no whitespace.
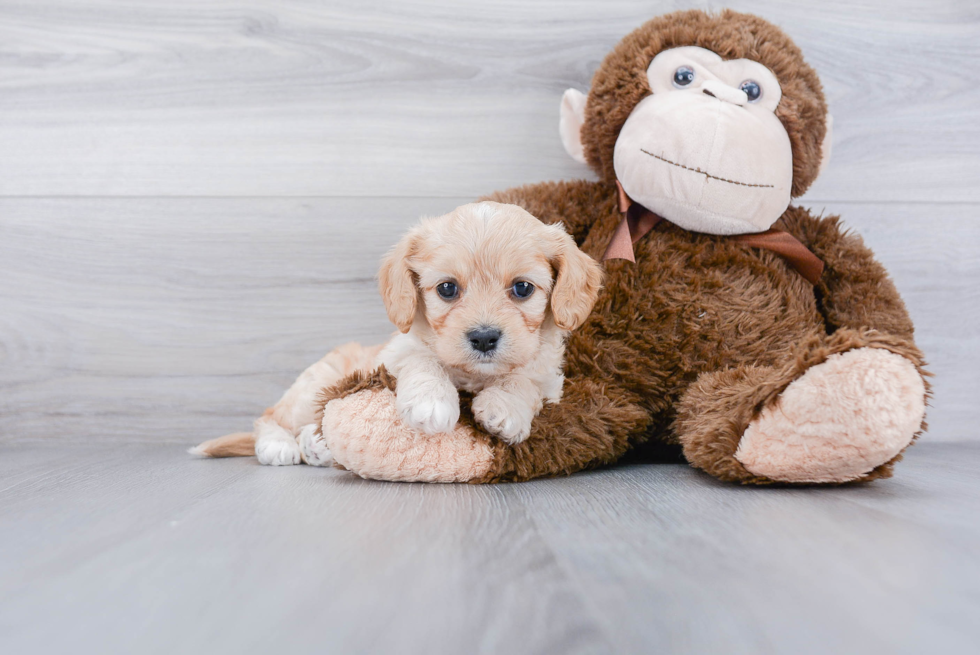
{"x":483,"y":298}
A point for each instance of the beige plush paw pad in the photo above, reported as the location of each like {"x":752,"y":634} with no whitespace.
{"x":365,"y":434}
{"x":838,"y":421}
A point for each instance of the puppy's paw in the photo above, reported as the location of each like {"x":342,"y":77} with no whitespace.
{"x":277,"y":451}
{"x":430,"y":406}
{"x":313,"y":447}
{"x":503,"y":414}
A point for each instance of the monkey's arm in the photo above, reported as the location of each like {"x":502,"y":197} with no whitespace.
{"x":855,"y":290}
{"x":577,"y":204}
{"x":593,"y":425}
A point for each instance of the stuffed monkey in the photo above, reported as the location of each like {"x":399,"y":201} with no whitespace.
{"x":762,"y":342}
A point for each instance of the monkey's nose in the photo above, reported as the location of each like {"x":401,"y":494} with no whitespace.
{"x":722,"y":91}
{"x":483,"y":339}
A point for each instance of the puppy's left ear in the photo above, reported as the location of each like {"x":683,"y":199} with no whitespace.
{"x":577,"y":284}
{"x":396,"y":281}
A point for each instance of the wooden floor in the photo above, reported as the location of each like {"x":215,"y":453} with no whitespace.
{"x":137,"y":549}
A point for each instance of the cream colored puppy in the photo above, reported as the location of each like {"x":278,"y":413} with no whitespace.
{"x":484,"y":298}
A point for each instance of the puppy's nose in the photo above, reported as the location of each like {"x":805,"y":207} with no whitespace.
{"x":483,"y":339}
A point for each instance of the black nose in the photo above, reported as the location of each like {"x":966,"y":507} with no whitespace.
{"x":483,"y":339}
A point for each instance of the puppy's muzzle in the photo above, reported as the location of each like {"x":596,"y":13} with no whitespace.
{"x":483,"y":339}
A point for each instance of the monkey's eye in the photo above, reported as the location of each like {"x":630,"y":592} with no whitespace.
{"x":447,"y":290}
{"x":752,"y":90}
{"x":683,"y":76}
{"x":522,"y":289}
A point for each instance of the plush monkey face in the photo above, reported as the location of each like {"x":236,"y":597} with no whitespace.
{"x":712,"y":121}
{"x":705,"y":149}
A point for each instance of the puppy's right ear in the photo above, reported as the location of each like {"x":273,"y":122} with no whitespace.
{"x":396,"y":280}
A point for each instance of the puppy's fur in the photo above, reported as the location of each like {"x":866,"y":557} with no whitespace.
{"x":484,"y":338}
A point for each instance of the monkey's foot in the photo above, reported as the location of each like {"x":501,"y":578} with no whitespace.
{"x":838,"y":421}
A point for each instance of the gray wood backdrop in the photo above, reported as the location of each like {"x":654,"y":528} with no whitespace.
{"x":194,"y":194}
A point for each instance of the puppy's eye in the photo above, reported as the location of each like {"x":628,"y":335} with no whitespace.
{"x":447,"y":290}
{"x":522,"y":289}
{"x":752,"y":90}
{"x":683,"y":76}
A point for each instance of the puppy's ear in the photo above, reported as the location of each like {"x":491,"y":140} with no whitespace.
{"x":577,"y":284}
{"x":396,"y":282}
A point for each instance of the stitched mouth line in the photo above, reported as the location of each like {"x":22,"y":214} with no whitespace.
{"x":707,"y":174}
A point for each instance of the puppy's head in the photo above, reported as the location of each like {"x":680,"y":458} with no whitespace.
{"x":485,"y":284}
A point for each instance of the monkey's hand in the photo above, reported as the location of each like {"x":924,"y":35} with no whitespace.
{"x":366,"y":435}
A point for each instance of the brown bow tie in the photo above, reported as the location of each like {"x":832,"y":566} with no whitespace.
{"x":638,"y":221}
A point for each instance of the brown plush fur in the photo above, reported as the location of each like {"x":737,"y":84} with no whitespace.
{"x":688,"y":344}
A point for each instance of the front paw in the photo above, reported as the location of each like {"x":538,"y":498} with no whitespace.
{"x":503,"y":414}
{"x":430,"y":406}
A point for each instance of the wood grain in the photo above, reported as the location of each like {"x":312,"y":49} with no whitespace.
{"x":176,"y":314}
{"x":438,"y":98}
{"x":181,"y":319}
{"x":194,"y":195}
{"x":241,"y":558}
{"x":161,"y":319}
{"x":136,"y":548}
{"x":762,"y":570}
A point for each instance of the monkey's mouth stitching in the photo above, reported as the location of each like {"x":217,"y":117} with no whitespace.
{"x":705,"y":173}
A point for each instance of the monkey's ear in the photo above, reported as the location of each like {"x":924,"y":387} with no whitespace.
{"x":570,"y":123}
{"x":825,"y":147}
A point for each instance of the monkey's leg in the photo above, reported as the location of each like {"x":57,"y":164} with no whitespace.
{"x":591,"y":426}
{"x":842,"y":410}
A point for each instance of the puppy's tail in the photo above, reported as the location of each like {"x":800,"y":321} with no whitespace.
{"x":239,"y":444}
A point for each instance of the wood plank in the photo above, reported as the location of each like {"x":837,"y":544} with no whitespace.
{"x":92,"y":498}
{"x":927,"y":474}
{"x":749,"y":570}
{"x":434,"y":98}
{"x":298,"y":560}
{"x":179,"y":319}
{"x":118,"y":315}
{"x":140,"y":548}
